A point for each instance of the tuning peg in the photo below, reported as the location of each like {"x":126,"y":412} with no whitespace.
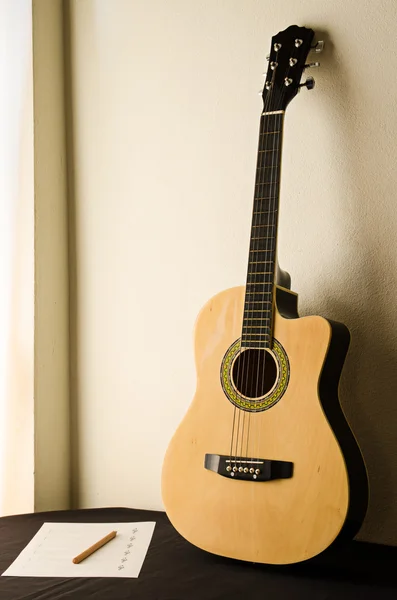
{"x":312,"y":65}
{"x":319,"y":47}
{"x":309,"y":83}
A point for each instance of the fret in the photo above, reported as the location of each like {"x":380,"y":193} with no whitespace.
{"x":259,"y":333}
{"x":269,"y":143}
{"x":258,"y":238}
{"x":259,"y":255}
{"x":255,"y":319}
{"x":262,"y":247}
{"x":267,"y":182}
{"x":256,"y":335}
{"x":260,"y":279}
{"x":255,"y":302}
{"x":264,"y":165}
{"x":263,"y":218}
{"x":262,"y":293}
{"x":269,"y":132}
{"x":268,"y":167}
{"x":255,"y":331}
{"x":262,"y":343}
{"x":267,"y":206}
{"x":259,"y":287}
{"x":261,"y":273}
{"x":264,"y":250}
{"x":266,"y":295}
{"x":258,"y":345}
{"x":259,"y":283}
{"x":268,"y":237}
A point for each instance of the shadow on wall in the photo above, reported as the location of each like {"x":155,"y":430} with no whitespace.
{"x":369,"y":381}
{"x":72,"y":249}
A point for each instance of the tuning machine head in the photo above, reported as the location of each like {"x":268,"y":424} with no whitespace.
{"x":318,"y":47}
{"x":312,"y":65}
{"x":309,"y":83}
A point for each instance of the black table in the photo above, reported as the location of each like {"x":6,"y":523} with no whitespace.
{"x":176,"y":570}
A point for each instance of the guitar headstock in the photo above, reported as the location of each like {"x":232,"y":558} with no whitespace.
{"x":287,"y":61}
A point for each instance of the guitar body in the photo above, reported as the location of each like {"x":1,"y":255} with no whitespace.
{"x":284,"y":520}
{"x":264,"y":467}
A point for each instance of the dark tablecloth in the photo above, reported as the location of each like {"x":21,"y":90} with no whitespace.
{"x":176,"y":570}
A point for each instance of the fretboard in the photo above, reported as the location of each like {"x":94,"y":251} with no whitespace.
{"x":258,"y":306}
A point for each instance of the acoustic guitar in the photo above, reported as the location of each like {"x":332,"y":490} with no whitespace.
{"x":264,"y":467}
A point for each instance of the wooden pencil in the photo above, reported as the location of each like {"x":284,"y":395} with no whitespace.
{"x":77,"y":559}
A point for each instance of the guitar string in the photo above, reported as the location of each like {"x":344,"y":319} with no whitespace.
{"x":242,"y":356}
{"x":259,"y":221}
{"x":253,"y":272}
{"x":275,"y":205}
{"x":271,"y":126}
{"x":271,"y":212}
{"x":255,"y":245}
{"x":262,"y":230}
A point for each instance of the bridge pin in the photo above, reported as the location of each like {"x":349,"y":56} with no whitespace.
{"x":240,"y":469}
{"x":252,"y":470}
{"x":228,"y":468}
{"x":245,"y":469}
{"x":257,"y":471}
{"x":235,"y":468}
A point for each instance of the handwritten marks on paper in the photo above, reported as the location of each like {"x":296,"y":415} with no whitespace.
{"x":50,"y":552}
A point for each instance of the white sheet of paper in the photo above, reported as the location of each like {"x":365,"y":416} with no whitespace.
{"x":51,"y":551}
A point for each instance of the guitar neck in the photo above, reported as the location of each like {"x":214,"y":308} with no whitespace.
{"x":258,"y":306}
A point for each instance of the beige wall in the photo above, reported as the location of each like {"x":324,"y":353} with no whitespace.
{"x":165,"y":120}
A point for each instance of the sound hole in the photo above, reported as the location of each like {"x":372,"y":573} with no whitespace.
{"x":254,"y":373}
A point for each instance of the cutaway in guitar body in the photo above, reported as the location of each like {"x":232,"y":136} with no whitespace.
{"x":277,"y":521}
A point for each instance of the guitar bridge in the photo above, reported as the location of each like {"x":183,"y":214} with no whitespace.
{"x":249,"y":469}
